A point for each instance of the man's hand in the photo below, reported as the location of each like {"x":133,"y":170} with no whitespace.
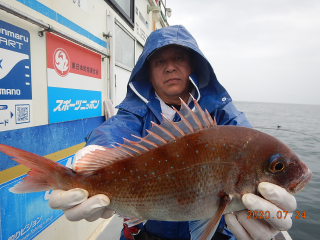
{"x":75,"y":203}
{"x":245,"y":227}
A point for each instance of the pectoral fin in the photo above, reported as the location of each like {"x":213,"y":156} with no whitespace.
{"x":204,"y":229}
{"x":132,"y":221}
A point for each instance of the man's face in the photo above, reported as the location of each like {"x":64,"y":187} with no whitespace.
{"x":169,"y":71}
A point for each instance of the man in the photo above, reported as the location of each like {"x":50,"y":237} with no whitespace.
{"x":170,"y":67}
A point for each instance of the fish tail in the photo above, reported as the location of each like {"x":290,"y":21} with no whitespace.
{"x":44,"y":175}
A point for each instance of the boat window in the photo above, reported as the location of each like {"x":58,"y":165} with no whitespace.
{"x":124,"y":46}
{"x":139,"y":49}
{"x":125,"y":8}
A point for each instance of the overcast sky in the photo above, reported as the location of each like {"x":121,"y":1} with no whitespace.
{"x":260,"y":50}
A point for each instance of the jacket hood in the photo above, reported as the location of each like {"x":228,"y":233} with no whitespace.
{"x":140,"y":90}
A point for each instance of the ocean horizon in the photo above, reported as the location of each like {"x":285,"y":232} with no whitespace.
{"x":235,"y":101}
{"x":297,"y":125}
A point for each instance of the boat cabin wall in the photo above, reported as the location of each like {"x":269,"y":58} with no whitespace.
{"x":54,"y":86}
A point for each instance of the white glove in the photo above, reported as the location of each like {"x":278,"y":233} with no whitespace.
{"x":277,"y":200}
{"x":75,"y":203}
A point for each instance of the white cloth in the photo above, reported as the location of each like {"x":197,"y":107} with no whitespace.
{"x":166,"y":110}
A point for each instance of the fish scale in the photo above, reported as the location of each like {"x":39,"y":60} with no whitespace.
{"x":192,"y":170}
{"x":169,"y":176}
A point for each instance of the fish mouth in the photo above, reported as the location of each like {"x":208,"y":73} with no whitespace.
{"x":303,"y":182}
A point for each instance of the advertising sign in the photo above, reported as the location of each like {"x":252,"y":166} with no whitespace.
{"x":24,"y":216}
{"x":15,"y":78}
{"x":74,"y":81}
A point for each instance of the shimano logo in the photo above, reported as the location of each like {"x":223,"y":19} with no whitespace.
{"x":4,"y":91}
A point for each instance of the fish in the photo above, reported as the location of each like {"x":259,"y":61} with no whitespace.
{"x":192,"y":170}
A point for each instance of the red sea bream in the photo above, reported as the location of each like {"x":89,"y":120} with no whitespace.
{"x":191,"y":170}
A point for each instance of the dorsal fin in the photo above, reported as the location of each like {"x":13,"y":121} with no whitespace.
{"x":201,"y":114}
{"x":213,"y":122}
{"x":162,"y":131}
{"x":146,"y":142}
{"x":190,"y":116}
{"x":131,"y":149}
{"x":95,"y":157}
{"x":167,"y":131}
{"x":184,"y":123}
{"x":135,"y":145}
{"x":171,"y":126}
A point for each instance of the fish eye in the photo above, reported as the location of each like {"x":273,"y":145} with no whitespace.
{"x":277,"y":165}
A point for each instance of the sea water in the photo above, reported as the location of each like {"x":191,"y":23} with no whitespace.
{"x":299,"y":127}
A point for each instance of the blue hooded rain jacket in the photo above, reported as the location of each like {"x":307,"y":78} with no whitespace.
{"x":140,"y":107}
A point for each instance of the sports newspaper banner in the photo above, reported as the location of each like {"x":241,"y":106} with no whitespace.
{"x":15,"y":77}
{"x":74,"y":81}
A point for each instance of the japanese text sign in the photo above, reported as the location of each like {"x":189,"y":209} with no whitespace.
{"x":74,"y":81}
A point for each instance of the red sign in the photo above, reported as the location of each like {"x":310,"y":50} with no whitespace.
{"x":69,"y":57}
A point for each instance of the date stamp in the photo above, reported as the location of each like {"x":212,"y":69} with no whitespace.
{"x":280,"y":215}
